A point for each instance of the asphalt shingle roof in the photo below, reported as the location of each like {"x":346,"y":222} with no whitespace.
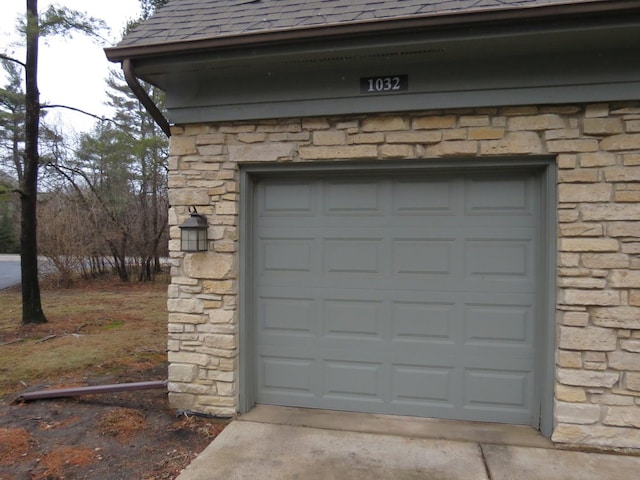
{"x":186,"y":20}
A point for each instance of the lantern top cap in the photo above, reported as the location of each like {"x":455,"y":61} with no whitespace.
{"x":195,"y":220}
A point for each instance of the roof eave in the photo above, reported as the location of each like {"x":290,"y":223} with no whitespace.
{"x":378,"y":26}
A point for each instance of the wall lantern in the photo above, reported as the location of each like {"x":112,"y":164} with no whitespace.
{"x":193,"y":232}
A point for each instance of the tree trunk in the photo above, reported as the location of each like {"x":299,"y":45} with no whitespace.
{"x":31,"y":305}
{"x":120,"y":260}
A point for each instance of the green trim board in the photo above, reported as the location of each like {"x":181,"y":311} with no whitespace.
{"x":477,"y":67}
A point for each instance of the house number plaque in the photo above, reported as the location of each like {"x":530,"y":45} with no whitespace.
{"x":385,"y":84}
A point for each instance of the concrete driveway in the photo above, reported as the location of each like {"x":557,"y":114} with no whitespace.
{"x":279,"y":443}
{"x":9,"y":270}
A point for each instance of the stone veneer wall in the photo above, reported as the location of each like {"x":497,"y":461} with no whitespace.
{"x":597,"y":148}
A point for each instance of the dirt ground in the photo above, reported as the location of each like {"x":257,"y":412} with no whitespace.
{"x":99,"y":333}
{"x":127,"y":435}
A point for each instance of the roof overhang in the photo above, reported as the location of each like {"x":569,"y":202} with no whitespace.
{"x":573,"y":11}
{"x":559,"y":53}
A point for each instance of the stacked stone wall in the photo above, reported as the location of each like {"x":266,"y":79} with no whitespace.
{"x":597,"y":152}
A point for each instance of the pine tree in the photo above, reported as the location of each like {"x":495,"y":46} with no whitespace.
{"x":54,"y":21}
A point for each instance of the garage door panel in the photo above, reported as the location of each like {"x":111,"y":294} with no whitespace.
{"x":423,"y":197}
{"x":287,"y":254}
{"x":498,"y":196}
{"x":286,"y":315}
{"x":287,"y":374}
{"x":508,"y":259}
{"x":422,"y":321}
{"x":495,"y":325}
{"x":353,"y":255}
{"x":421,"y":385}
{"x":423,"y":256}
{"x":287,"y":199}
{"x":410,"y":295}
{"x":353,"y":198}
{"x":352,"y":318}
{"x":348,"y":379}
{"x":497,"y":388}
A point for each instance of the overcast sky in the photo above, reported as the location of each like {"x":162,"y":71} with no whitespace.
{"x":71,"y":71}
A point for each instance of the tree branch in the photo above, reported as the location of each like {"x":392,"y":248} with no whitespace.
{"x":14,"y":60}
{"x":84,"y":112}
{"x":45,"y":106}
{"x":61,"y":170}
{"x":12,"y":190}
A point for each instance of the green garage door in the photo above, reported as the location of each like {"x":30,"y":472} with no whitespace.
{"x":410,"y":294}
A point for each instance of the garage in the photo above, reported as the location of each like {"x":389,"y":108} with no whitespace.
{"x":398,"y":293}
{"x":410,"y":208}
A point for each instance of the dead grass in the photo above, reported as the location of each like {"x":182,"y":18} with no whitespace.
{"x":122,"y":423}
{"x":54,"y":464}
{"x":14,"y":443}
{"x":103,"y":326}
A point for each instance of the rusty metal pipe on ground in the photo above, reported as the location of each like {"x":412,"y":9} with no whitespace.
{"x":92,"y":390}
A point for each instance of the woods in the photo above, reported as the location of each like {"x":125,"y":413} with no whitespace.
{"x":90,"y":204}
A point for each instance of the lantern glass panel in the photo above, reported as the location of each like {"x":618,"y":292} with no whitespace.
{"x":202,"y":240}
{"x":193,"y":240}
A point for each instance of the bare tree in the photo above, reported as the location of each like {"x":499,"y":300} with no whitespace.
{"x":119,"y":176}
